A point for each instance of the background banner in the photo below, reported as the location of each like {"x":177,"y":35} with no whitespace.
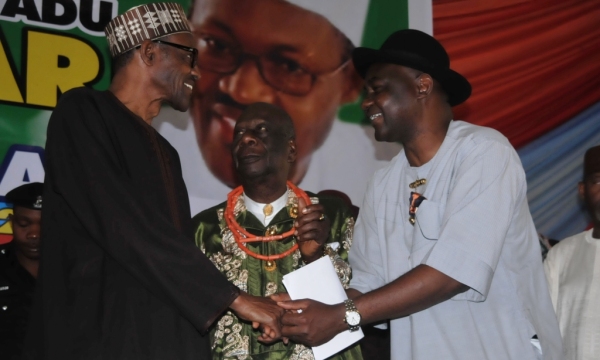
{"x":336,"y":147}
{"x":533,"y":66}
{"x":50,"y":46}
{"x":535,"y":71}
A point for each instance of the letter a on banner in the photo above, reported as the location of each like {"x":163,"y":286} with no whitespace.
{"x":22,"y":164}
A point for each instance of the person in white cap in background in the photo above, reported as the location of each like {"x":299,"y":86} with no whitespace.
{"x":573,"y":272}
{"x":293,"y":54}
{"x":121,"y":276}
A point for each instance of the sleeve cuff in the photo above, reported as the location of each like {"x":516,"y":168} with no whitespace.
{"x":464,"y":268}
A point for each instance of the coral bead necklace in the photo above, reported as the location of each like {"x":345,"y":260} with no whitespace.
{"x":242,"y":237}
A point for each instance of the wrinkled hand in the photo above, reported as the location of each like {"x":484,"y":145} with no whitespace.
{"x":264,"y":314}
{"x":280,"y":297}
{"x":277,"y":297}
{"x":315,"y":325}
{"x":311,"y":230}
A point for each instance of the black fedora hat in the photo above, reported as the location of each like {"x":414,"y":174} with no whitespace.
{"x":420,"y":51}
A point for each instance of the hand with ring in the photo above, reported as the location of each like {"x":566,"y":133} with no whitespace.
{"x":312,"y":230}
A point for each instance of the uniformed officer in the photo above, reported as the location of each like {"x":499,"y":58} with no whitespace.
{"x":19,"y":263}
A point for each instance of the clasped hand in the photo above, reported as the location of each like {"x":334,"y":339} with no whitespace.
{"x":278,"y":318}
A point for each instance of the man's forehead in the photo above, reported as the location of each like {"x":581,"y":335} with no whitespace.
{"x":591,"y":161}
{"x":262,"y":25}
{"x":380,"y":71}
{"x":257,"y":119}
{"x":185,"y":39}
{"x":24,"y":212}
{"x":249,"y":121}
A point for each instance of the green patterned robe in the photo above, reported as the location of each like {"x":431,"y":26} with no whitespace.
{"x":231,"y":338}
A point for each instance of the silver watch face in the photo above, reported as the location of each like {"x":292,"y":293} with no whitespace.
{"x":352,"y":318}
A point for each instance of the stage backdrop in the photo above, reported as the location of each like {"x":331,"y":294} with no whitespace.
{"x":336,"y":148}
{"x":535,"y":70}
{"x":50,"y":46}
{"x":533,"y":65}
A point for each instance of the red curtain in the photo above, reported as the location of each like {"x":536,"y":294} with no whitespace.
{"x":533,"y":64}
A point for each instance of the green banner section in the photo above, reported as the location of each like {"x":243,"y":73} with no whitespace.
{"x":384,"y":17}
{"x":46,"y":49}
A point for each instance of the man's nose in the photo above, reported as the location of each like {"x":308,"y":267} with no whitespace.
{"x":248,"y":138}
{"x":34,"y":232}
{"x":244,"y":141}
{"x":195,"y":72}
{"x":366,"y":103}
{"x":246,"y":85}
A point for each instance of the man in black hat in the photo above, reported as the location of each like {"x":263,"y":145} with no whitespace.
{"x":19,"y":262}
{"x":445,"y":246}
{"x":121,"y":276}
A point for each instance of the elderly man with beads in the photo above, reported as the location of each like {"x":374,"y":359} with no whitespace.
{"x":267,"y":228}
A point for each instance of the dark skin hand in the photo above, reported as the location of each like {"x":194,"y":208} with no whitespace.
{"x":417,"y":290}
{"x":311,"y":233}
{"x":262,"y":312}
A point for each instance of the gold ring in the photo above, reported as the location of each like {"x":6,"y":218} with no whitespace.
{"x":322,"y":217}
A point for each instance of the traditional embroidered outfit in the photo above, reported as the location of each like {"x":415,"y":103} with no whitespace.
{"x":573,"y":272}
{"x":232,"y":339}
{"x":120,"y":276}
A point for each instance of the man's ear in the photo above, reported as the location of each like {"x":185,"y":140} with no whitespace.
{"x":292,"y":154}
{"x":352,"y":85}
{"x":425,"y":85}
{"x":581,"y":188}
{"x":148,"y":52}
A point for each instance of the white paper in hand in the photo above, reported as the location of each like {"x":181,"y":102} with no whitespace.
{"x":319,"y":281}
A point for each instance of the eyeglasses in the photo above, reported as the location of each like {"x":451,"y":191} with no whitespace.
{"x":280,"y":72}
{"x":194,"y":51}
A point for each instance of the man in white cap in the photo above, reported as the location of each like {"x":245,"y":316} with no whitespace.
{"x":121,"y":277}
{"x":444,"y":245}
{"x":296,"y":55}
{"x":573,"y":272}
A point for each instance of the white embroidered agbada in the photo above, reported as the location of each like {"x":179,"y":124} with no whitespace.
{"x":573,"y":272}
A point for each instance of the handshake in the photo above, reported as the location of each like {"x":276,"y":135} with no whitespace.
{"x":278,"y":318}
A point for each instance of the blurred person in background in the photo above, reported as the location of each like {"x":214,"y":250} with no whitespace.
{"x":19,"y":264}
{"x":573,"y":271}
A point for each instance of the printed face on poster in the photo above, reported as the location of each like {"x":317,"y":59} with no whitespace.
{"x":294,"y":54}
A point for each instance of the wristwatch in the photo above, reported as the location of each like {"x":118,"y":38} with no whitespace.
{"x":352,"y":317}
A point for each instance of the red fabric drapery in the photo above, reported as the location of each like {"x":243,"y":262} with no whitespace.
{"x":533,"y":64}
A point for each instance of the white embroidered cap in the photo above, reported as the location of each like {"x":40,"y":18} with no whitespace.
{"x":348,"y":16}
{"x":144,"y":22}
